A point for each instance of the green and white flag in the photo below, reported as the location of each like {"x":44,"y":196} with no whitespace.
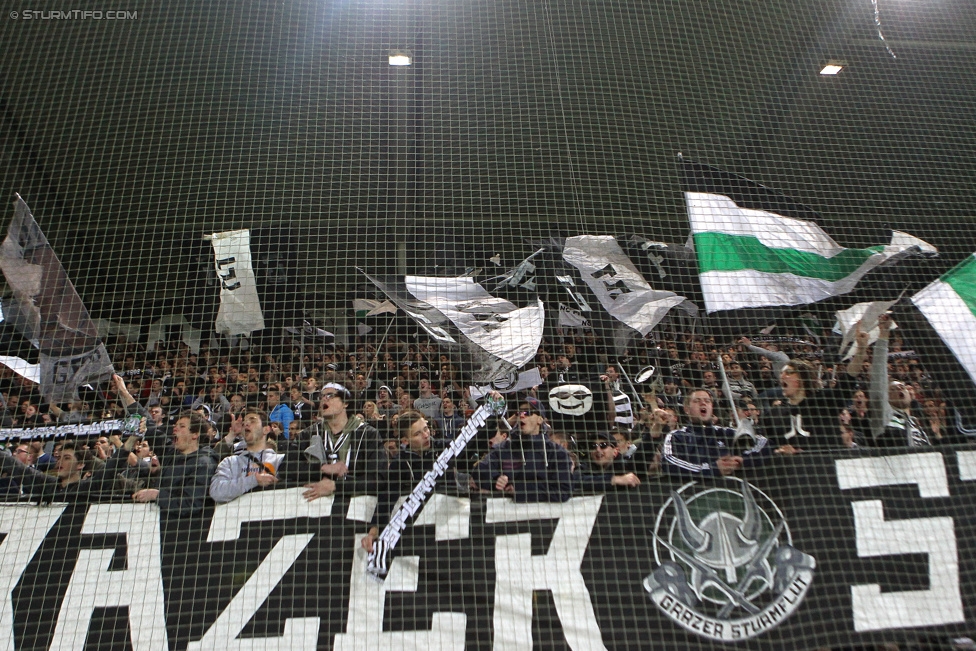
{"x":949,"y":304}
{"x":751,"y":256}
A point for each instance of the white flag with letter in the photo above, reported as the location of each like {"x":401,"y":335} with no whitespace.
{"x":616,"y":282}
{"x":240,"y":309}
{"x":571,"y":318}
{"x":496,"y":325}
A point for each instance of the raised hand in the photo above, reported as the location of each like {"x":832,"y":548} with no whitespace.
{"x":236,"y":425}
{"x":884,"y":326}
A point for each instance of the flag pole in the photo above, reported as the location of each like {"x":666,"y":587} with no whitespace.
{"x":506,"y":275}
{"x":727,"y":391}
{"x":743,"y":427}
{"x":369,"y":373}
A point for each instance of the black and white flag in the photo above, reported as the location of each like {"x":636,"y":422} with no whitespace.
{"x":240,"y":308}
{"x":615,"y":283}
{"x":49,"y":312}
{"x":571,"y":317}
{"x":498,"y":336}
{"x":512,"y":384}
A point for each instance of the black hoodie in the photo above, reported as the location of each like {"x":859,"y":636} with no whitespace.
{"x":538,"y":469}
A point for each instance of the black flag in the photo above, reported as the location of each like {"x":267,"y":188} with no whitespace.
{"x":49,"y":312}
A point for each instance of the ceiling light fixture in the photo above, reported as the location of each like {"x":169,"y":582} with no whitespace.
{"x":400,"y":58}
{"x":833,"y":67}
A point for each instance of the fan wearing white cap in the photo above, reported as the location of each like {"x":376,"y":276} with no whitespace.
{"x":344,"y":453}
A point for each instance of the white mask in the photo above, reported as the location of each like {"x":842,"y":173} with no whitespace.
{"x":571,"y":399}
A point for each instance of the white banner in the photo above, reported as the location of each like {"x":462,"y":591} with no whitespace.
{"x":61,"y":431}
{"x":240,"y":309}
{"x":617,"y":283}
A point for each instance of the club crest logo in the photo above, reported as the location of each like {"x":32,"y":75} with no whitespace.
{"x":727,"y":569}
{"x":505,"y":382}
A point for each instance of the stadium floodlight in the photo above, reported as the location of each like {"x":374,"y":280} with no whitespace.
{"x":833,"y":67}
{"x":400,"y":58}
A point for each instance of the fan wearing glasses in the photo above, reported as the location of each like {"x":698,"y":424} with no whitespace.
{"x":603,"y":470}
{"x":344,"y":453}
{"x":528,"y":467}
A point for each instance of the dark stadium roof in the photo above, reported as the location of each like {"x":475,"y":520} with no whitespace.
{"x":132,"y":138}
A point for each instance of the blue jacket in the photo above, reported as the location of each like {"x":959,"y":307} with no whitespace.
{"x":283,"y":414}
{"x":691,"y":451}
{"x":538,"y":469}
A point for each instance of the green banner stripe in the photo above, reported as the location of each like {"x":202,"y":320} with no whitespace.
{"x":722,"y":252}
{"x":962,"y":279}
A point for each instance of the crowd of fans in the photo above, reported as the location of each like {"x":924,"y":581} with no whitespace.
{"x":372,"y":418}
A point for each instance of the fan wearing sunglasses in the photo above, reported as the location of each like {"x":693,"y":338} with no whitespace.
{"x":602,"y":470}
{"x":528,"y":467}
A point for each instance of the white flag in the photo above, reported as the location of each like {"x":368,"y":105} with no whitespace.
{"x":494,"y":324}
{"x":571,"y":318}
{"x":867,"y":315}
{"x":240,"y":309}
{"x":22,"y":367}
{"x":369,"y":307}
{"x":616,"y":282}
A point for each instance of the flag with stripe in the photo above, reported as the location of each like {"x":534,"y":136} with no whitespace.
{"x":949,"y":305}
{"x":755,"y":249}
